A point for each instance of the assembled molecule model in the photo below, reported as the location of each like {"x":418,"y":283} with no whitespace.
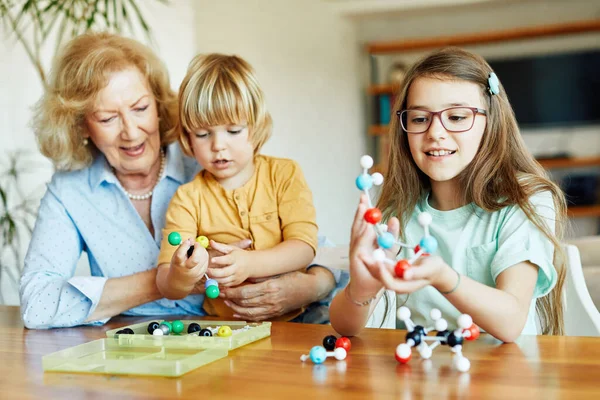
{"x":417,"y":337}
{"x":332,"y":347}
{"x":211,"y":285}
{"x":385,"y":239}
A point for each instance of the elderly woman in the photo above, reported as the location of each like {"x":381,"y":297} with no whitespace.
{"x":104,"y":122}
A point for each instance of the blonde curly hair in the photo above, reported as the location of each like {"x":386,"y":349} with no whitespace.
{"x":79,"y":72}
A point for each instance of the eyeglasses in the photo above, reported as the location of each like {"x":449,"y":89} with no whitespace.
{"x":453,"y":119}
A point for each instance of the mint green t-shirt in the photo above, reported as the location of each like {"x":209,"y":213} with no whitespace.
{"x":481,"y":245}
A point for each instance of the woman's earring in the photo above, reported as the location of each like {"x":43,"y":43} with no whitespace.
{"x":85,"y":141}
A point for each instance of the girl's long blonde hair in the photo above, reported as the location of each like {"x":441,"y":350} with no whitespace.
{"x":503,"y":172}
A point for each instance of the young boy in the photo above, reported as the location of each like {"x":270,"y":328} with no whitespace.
{"x":240,"y":194}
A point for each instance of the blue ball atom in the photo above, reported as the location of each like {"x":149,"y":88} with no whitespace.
{"x":318,"y":354}
{"x":386,"y":240}
{"x":364,"y":182}
{"x":428,"y":244}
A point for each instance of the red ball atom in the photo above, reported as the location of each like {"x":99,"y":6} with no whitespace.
{"x":474,"y":330}
{"x":373,"y":215}
{"x":401,"y":267}
{"x":343,"y":342}
{"x":403,"y":360}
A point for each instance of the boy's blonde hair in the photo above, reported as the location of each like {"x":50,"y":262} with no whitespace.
{"x":221,"y":89}
{"x":502,"y":173}
{"x":80,"y":71}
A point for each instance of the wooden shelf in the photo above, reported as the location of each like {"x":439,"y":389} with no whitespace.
{"x":571,"y":162}
{"x":382,"y":89}
{"x":568,"y":28}
{"x":584,"y":211}
{"x":378,"y":130}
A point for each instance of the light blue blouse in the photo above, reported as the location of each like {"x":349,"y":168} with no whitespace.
{"x":88,"y":211}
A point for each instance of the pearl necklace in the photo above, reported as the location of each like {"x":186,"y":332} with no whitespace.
{"x":146,"y":196}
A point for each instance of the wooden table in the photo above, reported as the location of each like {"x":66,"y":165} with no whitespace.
{"x":535,"y":367}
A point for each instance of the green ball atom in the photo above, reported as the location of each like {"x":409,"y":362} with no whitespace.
{"x":174,"y":238}
{"x":177,"y":326}
{"x":212,"y":292}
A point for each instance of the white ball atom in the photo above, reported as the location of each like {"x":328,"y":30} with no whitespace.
{"x":462,"y":364}
{"x":425,"y":219}
{"x":377,"y":178}
{"x":366,"y":162}
{"x":425,"y":353}
{"x":340,"y":353}
{"x":403,"y":350}
{"x":435,"y":314}
{"x":441,"y":325}
{"x":158,"y":332}
{"x":379,"y":255}
{"x":464,"y":321}
{"x":403,"y":313}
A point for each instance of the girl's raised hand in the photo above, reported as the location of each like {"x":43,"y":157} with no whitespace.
{"x":363,"y":241}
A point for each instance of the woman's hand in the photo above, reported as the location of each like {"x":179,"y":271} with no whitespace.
{"x":364,"y":284}
{"x":272,"y":297}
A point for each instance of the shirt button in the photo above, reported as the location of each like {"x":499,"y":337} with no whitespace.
{"x":237,"y":196}
{"x":243,"y":213}
{"x":269,"y":217}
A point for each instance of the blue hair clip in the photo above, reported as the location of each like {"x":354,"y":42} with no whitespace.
{"x":494,"y":84}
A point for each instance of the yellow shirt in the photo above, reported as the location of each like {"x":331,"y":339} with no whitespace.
{"x":273,"y":206}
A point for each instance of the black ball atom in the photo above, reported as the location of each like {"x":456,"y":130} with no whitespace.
{"x":445,"y":335}
{"x":190,"y":251}
{"x":454,"y":340}
{"x":420,"y":329}
{"x":152,"y":326}
{"x":205,"y":332}
{"x":194,"y":327}
{"x":329,"y":342}
{"x":416,"y":336}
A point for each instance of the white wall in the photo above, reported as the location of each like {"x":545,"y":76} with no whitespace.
{"x":20,"y":87}
{"x":488,"y":16}
{"x":305,"y":56}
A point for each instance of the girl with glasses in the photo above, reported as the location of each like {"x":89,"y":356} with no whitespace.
{"x":457,"y":153}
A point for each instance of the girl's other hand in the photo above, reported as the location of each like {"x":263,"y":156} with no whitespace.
{"x":424,"y":272}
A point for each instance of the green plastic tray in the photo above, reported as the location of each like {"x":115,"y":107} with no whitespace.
{"x":114,"y":356}
{"x":141,"y":337}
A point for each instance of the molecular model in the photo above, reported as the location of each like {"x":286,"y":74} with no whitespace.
{"x":211,"y":285}
{"x":332,"y":347}
{"x":385,"y":239}
{"x":417,"y":337}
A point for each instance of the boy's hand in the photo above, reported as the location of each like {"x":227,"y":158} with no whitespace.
{"x":186,"y":271}
{"x":233,"y":267}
